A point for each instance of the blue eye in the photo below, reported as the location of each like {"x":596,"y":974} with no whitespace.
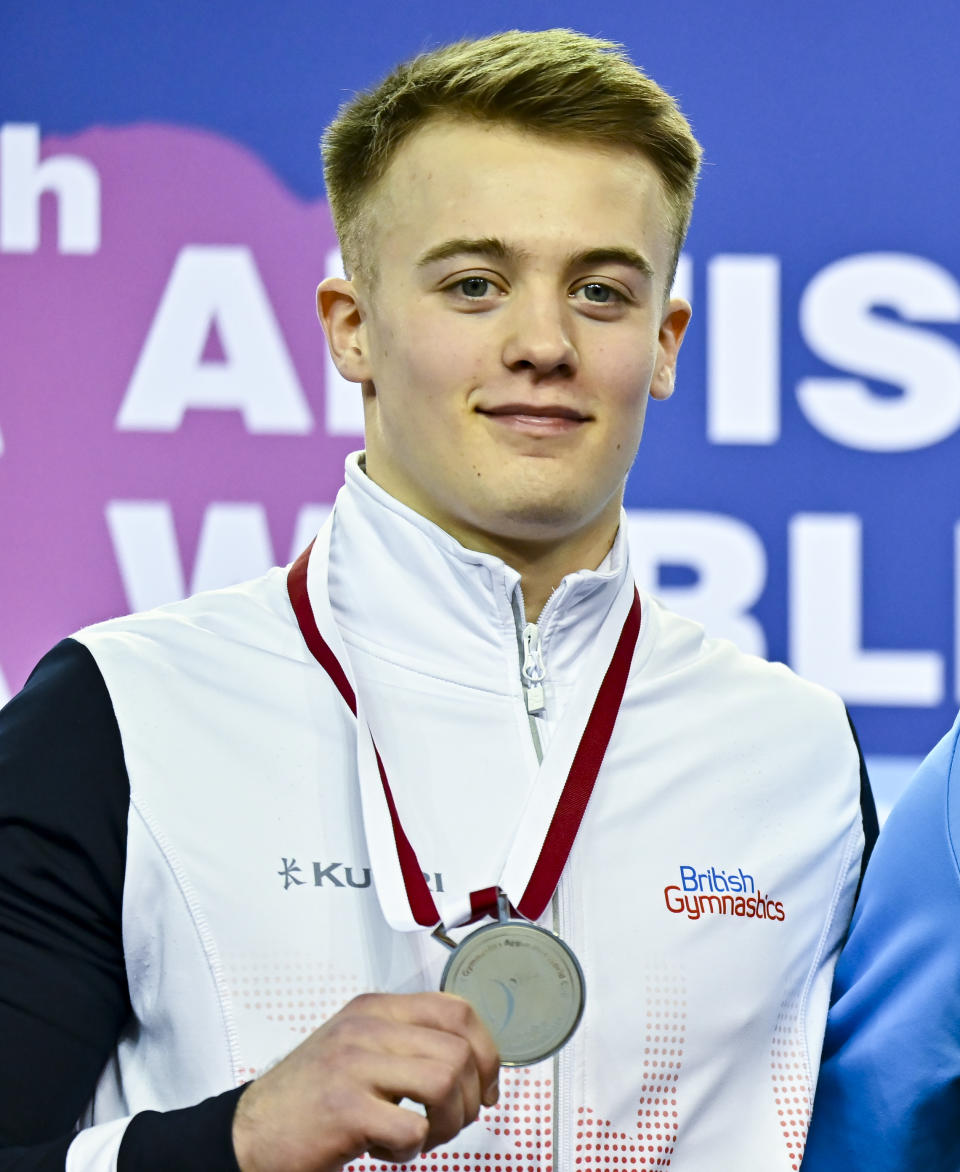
{"x":474,"y":286}
{"x":599,"y":294}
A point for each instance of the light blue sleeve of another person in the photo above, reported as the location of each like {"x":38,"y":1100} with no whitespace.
{"x":889,"y":1091}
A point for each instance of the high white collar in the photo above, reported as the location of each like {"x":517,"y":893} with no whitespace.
{"x":404,"y":590}
{"x":431,"y":632}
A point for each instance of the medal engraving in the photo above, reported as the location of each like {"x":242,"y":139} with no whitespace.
{"x":524,"y":983}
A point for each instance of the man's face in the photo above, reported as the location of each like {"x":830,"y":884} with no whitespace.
{"x":513,"y":330}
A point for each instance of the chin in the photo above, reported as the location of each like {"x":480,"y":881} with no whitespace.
{"x":549,"y":518}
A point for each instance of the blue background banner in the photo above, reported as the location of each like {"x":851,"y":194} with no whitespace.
{"x":798,"y":493}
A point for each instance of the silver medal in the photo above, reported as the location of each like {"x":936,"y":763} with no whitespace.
{"x":525,"y":984}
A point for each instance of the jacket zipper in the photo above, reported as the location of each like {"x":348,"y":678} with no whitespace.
{"x":532,"y":670}
{"x":532,"y":674}
{"x":529,"y":649}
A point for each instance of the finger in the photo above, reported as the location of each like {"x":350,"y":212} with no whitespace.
{"x":395,"y":1134}
{"x":440,"y":1015}
{"x":453,"y":1014}
{"x":425,"y":1025}
{"x":455,"y":1067}
{"x":444,"y":1086}
{"x":486,"y":1056}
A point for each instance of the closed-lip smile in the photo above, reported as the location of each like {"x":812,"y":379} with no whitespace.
{"x":536,"y":419}
{"x":536,"y":411}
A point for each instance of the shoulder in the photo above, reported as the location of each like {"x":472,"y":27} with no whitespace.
{"x":891,"y":1062}
{"x":926,"y":816}
{"x":64,"y":798}
{"x":899,"y":896}
{"x":681,"y":650}
{"x":61,"y":722}
{"x":214,"y":626}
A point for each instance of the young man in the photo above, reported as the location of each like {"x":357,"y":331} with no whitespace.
{"x":454,"y":705}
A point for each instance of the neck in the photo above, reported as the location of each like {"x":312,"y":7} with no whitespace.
{"x":541,"y":562}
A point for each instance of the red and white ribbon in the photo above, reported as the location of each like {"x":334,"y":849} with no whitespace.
{"x":548,"y":824}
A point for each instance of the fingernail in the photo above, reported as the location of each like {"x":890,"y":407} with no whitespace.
{"x":491,"y":1094}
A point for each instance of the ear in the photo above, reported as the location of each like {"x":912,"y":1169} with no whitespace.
{"x":342,"y":317}
{"x":673,"y":325}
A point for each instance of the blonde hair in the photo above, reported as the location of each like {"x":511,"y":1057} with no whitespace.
{"x":557,"y":82}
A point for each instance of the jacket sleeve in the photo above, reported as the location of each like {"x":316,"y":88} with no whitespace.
{"x":889,"y":1091}
{"x":64,"y":797}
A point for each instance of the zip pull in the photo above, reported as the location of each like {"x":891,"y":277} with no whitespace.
{"x":532,"y":671}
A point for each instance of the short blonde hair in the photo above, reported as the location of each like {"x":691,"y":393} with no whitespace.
{"x":558,"y":83}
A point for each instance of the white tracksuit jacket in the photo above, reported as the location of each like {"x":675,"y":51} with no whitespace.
{"x":708,"y":890}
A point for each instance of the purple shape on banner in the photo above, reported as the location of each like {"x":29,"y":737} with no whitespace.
{"x":213,"y":349}
{"x":73,"y":328}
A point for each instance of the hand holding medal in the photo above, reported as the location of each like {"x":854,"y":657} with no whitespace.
{"x":341,"y":1092}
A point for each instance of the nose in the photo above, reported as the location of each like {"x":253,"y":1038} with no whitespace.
{"x":539,"y":338}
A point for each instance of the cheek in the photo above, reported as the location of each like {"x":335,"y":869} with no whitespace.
{"x":627,"y":399}
{"x":437,"y":376}
{"x":628,"y":389}
{"x":625,"y":366}
{"x":414,"y":357}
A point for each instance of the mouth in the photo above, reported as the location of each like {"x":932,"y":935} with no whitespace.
{"x":536,"y":418}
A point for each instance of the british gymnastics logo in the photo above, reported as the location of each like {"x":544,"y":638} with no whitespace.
{"x":719,"y":893}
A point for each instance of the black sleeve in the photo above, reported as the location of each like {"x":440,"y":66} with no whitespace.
{"x":63,"y":824}
{"x":64,"y":798}
{"x":195,"y":1139}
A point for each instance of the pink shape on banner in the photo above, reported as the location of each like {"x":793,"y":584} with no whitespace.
{"x":72,"y":337}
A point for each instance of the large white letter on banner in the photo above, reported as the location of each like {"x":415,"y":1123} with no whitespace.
{"x":215,"y":286}
{"x":725,"y":554}
{"x":743,"y":350}
{"x":24,"y":179}
{"x":145,"y":546}
{"x":4,"y":689}
{"x":825,"y":621}
{"x":839,"y":327}
{"x":234,"y":545}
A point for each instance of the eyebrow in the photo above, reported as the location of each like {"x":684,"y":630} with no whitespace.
{"x":496,"y":249}
{"x":462,"y":245}
{"x":618,"y":256}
